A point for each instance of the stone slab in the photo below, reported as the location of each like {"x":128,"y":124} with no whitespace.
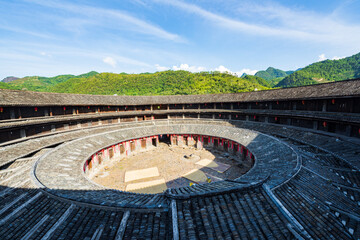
{"x":155,"y":186}
{"x":140,"y":174}
{"x":217,"y":166}
{"x":196,"y":175}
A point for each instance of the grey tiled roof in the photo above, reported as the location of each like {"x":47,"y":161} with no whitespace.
{"x":27,"y":98}
{"x":318,"y":200}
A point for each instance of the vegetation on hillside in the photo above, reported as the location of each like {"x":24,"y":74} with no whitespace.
{"x":273,"y":76}
{"x":272,"y":73}
{"x":325,"y":71}
{"x":6,"y":86}
{"x":258,"y":80}
{"x":159,"y":83}
{"x":36,"y":83}
{"x":183,"y":82}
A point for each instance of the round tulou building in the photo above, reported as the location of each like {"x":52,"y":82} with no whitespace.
{"x":277,"y":164}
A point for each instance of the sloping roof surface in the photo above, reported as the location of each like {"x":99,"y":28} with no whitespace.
{"x":27,"y":98}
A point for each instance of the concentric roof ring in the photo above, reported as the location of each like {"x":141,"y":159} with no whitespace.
{"x":60,"y":171}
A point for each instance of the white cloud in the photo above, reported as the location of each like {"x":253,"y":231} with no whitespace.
{"x":186,"y":67}
{"x":161,"y":68}
{"x":337,"y":58}
{"x":273,"y":19}
{"x":23,"y":31}
{"x":222,"y":69}
{"x":247,"y":71}
{"x":111,"y":61}
{"x":45,"y":54}
{"x":117,"y":18}
{"x":322,"y":57}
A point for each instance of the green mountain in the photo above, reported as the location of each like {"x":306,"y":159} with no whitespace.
{"x":159,"y":83}
{"x":36,"y":83}
{"x":183,"y":82}
{"x":9,"y":79}
{"x":6,"y":86}
{"x":271,"y":73}
{"x":257,"y":80}
{"x":273,"y":76}
{"x":325,"y":71}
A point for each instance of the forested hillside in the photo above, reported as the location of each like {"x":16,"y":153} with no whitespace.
{"x":272,"y":73}
{"x":36,"y":83}
{"x":184,"y":82}
{"x":325,"y":71}
{"x":273,"y":76}
{"x":159,"y":83}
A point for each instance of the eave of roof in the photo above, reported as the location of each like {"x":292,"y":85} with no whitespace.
{"x":347,"y":88}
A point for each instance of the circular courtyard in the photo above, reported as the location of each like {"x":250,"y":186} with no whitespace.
{"x":169,"y":166}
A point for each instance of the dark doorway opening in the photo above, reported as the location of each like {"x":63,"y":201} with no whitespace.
{"x":206,"y":141}
{"x":122,"y":149}
{"x":165,"y":139}
{"x":111,"y":153}
{"x":216,"y":143}
{"x":186,"y":142}
{"x":154,"y":142}
{"x":235,"y":149}
{"x":226,"y":145}
{"x":196,"y":138}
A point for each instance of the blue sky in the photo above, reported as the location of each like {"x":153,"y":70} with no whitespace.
{"x":48,"y":38}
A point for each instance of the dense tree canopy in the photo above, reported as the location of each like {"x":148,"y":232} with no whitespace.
{"x":184,"y":82}
{"x":325,"y":71}
{"x":159,"y":83}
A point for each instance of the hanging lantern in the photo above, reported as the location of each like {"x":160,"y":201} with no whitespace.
{"x":333,"y":101}
{"x":219,"y":115}
{"x":254,"y":117}
{"x":256,"y":103}
{"x":324,"y":124}
{"x":108,"y":107}
{"x":303,"y":102}
{"x":1,"y":109}
{"x":35,"y":109}
{"x":64,"y":108}
{"x":275,"y":118}
{"x":277,"y":102}
{"x":236,"y":116}
{"x":88,"y":107}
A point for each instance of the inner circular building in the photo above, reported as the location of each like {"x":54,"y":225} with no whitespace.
{"x":277,"y":164}
{"x":154,"y":164}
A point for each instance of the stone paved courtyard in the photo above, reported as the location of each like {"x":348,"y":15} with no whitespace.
{"x":172,"y":163}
